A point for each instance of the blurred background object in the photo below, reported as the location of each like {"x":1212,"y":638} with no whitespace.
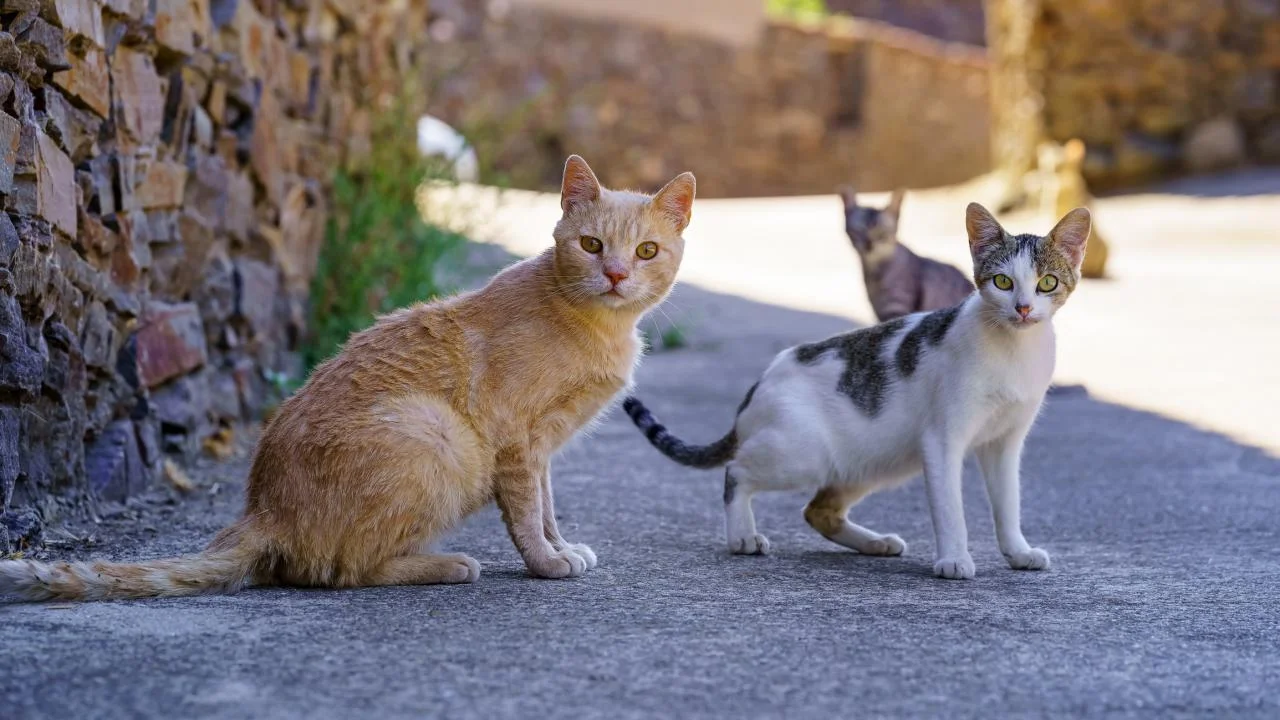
{"x":796,"y":96}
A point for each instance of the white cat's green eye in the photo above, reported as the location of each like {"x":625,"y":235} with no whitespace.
{"x":1047,"y":284}
{"x":1003,"y":282}
{"x":591,"y":245}
{"x":647,"y":250}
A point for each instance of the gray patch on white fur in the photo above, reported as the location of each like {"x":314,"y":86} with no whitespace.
{"x":931,"y":329}
{"x":865,"y":378}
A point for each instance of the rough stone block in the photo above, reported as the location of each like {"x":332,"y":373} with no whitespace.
{"x":139,"y":95}
{"x":114,"y":464}
{"x":162,"y":186}
{"x":171,"y":342}
{"x":88,"y":80}
{"x":75,"y":130}
{"x":21,"y":367}
{"x":1214,"y":145}
{"x":183,"y":25}
{"x":258,"y":287}
{"x":9,"y":467}
{"x":182,"y":409}
{"x":99,"y":341}
{"x":44,"y":43}
{"x":51,"y":193}
{"x":265,"y":155}
{"x":78,"y":17}
{"x":10,"y":136}
{"x":22,"y":528}
{"x":132,"y":9}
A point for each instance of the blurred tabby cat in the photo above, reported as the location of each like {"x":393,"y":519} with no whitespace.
{"x":898,"y":281}
{"x":1062,"y":187}
{"x":429,"y":415}
{"x":869,"y":409}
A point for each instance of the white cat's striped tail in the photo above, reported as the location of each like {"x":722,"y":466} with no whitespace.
{"x":700,"y":456}
{"x":222,"y":569}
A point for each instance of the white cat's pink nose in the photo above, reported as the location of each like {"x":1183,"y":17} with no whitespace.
{"x":1023,"y":310}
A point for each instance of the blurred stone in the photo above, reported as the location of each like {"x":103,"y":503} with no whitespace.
{"x":114,"y":465}
{"x":182,"y":25}
{"x":10,"y":135}
{"x":43,"y":43}
{"x":23,"y":529}
{"x":162,"y":187}
{"x":1214,"y":145}
{"x":88,"y":80}
{"x":170,"y":342}
{"x":51,"y":193}
{"x":78,"y":17}
{"x":139,"y":95}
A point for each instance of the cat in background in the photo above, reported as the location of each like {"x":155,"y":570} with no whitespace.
{"x":870,"y":409}
{"x":899,"y":282}
{"x":1062,"y":187}
{"x":435,"y":411}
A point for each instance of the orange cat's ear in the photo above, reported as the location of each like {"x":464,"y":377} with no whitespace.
{"x":579,"y":186}
{"x":675,"y":201}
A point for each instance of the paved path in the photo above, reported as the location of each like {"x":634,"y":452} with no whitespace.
{"x":1162,"y":601}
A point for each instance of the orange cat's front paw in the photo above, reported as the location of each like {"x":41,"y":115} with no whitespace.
{"x":560,"y":564}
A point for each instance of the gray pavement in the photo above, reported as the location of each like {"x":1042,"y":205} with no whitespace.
{"x":1163,"y":601}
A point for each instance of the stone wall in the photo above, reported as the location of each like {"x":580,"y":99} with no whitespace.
{"x":800,"y":111}
{"x":1153,"y":88}
{"x":163,"y":170}
{"x":951,"y":20}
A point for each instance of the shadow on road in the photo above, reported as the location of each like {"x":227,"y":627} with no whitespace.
{"x":1161,"y":598}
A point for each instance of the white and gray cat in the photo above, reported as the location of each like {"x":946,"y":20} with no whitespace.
{"x":899,"y":282}
{"x":869,"y":409}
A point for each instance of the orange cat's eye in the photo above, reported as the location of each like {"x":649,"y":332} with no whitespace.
{"x":647,"y":250}
{"x":591,"y":245}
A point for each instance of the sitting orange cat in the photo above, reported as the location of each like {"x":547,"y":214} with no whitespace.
{"x":429,"y":415}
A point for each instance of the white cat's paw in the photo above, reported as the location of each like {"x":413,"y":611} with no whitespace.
{"x":956,"y":568}
{"x":886,"y":546}
{"x":587,"y":554}
{"x":560,"y":564}
{"x":751,"y":545}
{"x":1033,"y":559}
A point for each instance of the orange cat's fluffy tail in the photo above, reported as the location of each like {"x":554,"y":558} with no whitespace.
{"x":221,"y":569}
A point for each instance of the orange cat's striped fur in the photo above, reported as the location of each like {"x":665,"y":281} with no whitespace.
{"x":432,"y":413}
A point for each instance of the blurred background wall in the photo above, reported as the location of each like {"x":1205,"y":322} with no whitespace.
{"x":799,"y":109}
{"x":1153,"y":87}
{"x":914,"y":93}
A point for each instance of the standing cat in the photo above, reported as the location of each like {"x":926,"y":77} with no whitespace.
{"x":1062,"y":187}
{"x":869,"y":409}
{"x":432,"y":413}
{"x":898,"y":281}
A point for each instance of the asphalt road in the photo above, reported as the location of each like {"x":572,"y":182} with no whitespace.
{"x":1163,"y":600}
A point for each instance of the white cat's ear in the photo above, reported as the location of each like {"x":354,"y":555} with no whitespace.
{"x":985,"y":232}
{"x":895,"y":203}
{"x":579,"y":186}
{"x":1071,"y":234}
{"x":849,"y":196}
{"x":675,"y":200}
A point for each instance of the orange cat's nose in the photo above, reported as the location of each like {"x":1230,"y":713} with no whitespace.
{"x":616,"y":276}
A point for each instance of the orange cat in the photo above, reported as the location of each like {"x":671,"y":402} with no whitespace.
{"x":429,"y":415}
